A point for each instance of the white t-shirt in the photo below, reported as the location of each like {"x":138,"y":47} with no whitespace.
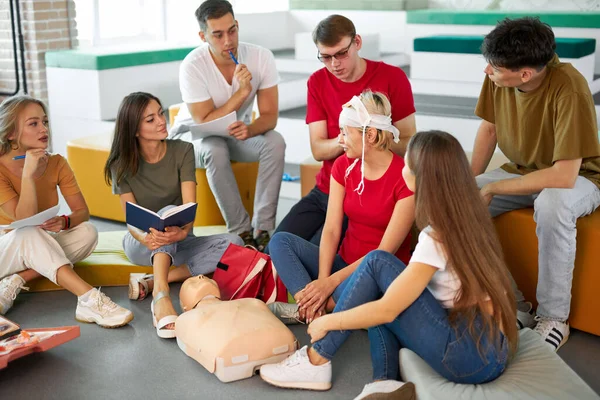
{"x":444,"y":284}
{"x":201,"y":80}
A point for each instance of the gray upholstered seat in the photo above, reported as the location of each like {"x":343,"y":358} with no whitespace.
{"x":535,"y":373}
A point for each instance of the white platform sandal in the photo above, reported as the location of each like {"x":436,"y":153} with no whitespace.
{"x":135,"y":280}
{"x":161,"y":331}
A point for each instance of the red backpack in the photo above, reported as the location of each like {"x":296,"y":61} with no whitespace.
{"x":244,"y":272}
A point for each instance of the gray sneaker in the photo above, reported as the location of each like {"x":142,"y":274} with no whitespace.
{"x":10,"y":287}
{"x":287,"y":313}
{"x":526,"y":319}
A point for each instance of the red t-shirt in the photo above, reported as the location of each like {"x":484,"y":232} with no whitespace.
{"x":327,"y":94}
{"x":369,"y":214}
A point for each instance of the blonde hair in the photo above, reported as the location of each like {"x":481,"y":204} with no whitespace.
{"x":10,"y":109}
{"x":378,"y":103}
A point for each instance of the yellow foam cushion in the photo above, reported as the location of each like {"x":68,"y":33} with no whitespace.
{"x":87,"y":157}
{"x":108,"y":265}
{"x":516,"y":230}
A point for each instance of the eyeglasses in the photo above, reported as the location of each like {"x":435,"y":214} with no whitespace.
{"x":340,"y":55}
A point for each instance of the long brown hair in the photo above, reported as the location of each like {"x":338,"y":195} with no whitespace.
{"x":125,"y":151}
{"x":447,"y":199}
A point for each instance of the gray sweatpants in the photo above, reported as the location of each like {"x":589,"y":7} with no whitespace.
{"x":200,"y":253}
{"x":555,"y":212}
{"x":214,"y":154}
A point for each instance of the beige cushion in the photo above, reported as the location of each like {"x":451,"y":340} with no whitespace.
{"x":535,"y":373}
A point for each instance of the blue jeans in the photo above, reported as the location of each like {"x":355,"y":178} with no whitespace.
{"x":307,"y":217}
{"x":424,"y":328}
{"x":297,"y":262}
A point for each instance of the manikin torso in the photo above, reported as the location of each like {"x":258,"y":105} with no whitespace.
{"x":229,"y":338}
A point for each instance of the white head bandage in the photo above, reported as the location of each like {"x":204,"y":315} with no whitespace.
{"x":355,"y":114}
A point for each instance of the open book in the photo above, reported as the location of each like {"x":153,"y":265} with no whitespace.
{"x":144,"y":219}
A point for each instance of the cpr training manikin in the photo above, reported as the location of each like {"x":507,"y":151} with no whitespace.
{"x":231,"y":339}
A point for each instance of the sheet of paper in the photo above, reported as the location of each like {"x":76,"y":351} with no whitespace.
{"x":217,"y":127}
{"x":36,"y":219}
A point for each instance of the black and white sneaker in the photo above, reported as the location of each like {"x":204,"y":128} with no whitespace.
{"x":526,"y":318}
{"x":553,"y":333}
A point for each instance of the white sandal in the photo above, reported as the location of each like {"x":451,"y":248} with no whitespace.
{"x":135,"y":280}
{"x":164,"y":321}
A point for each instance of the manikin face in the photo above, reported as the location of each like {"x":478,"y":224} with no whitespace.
{"x":153,"y":126}
{"x":32,"y":128}
{"x":195,"y":289}
{"x":222,"y":36}
{"x":342,"y":59}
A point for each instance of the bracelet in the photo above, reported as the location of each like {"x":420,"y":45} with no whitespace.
{"x":67,"y":221}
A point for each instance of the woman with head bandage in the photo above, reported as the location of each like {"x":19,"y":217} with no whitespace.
{"x":366,"y":186}
{"x":452,"y":304}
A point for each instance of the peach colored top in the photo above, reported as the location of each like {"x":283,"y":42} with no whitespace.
{"x":58,"y":173}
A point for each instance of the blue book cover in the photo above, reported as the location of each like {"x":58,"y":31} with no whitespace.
{"x":144,"y":219}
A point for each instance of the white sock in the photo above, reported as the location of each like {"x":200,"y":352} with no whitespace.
{"x":85,"y":297}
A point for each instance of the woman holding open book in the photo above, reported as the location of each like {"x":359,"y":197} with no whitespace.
{"x":29,"y":178}
{"x":158,"y":174}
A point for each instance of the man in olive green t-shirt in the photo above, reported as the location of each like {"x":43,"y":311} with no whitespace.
{"x":541,"y":114}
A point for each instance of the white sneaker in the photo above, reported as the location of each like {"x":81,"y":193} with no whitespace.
{"x":287,"y":313}
{"x":10,"y":287}
{"x":554,"y":333}
{"x":390,"y":389}
{"x":526,"y":319}
{"x":297,"y":372}
{"x":99,"y":308}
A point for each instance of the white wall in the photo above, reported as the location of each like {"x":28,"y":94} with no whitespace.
{"x":270,"y":30}
{"x":390,"y":25}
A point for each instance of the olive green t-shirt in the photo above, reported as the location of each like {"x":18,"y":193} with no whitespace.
{"x":556,"y":121}
{"x":158,"y":185}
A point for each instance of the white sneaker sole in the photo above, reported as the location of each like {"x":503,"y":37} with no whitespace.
{"x":92,"y":320}
{"x":318,"y":386}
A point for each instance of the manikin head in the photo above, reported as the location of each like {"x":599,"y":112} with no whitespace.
{"x":195,"y":289}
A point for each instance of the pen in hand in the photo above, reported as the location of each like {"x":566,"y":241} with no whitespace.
{"x":23,"y":156}
{"x":233,"y":57}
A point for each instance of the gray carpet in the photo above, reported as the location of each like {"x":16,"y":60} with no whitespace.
{"x":133,"y":363}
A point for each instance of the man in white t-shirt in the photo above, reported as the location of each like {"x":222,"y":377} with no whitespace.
{"x":212,"y":85}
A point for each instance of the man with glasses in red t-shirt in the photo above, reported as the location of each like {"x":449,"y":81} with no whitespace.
{"x":345,"y":75}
